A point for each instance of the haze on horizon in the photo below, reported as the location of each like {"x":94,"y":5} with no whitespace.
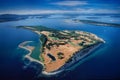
{"x":59,"y":6}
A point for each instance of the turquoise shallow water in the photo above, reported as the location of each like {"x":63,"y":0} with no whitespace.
{"x":102,"y":64}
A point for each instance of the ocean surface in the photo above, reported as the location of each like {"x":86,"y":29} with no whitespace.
{"x":103,"y":63}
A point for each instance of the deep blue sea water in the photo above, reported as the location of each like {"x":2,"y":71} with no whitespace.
{"x":102,"y":64}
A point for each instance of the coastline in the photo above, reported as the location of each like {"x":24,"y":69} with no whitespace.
{"x":28,"y":55}
{"x":44,"y":73}
{"x":77,"y":57}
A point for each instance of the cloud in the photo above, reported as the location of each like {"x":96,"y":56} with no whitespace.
{"x":70,"y":3}
{"x":91,"y":10}
{"x":75,"y":11}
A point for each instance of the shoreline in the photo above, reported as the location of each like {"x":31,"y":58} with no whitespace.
{"x":30,"y":51}
{"x":44,"y":73}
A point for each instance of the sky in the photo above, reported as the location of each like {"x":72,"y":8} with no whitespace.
{"x":59,"y":6}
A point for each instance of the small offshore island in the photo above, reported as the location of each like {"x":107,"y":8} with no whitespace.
{"x":58,"y":50}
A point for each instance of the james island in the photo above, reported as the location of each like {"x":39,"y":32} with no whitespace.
{"x":58,"y":50}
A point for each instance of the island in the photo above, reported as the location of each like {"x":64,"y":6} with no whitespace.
{"x":97,"y":23}
{"x":58,"y":50}
{"x":12,"y":17}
